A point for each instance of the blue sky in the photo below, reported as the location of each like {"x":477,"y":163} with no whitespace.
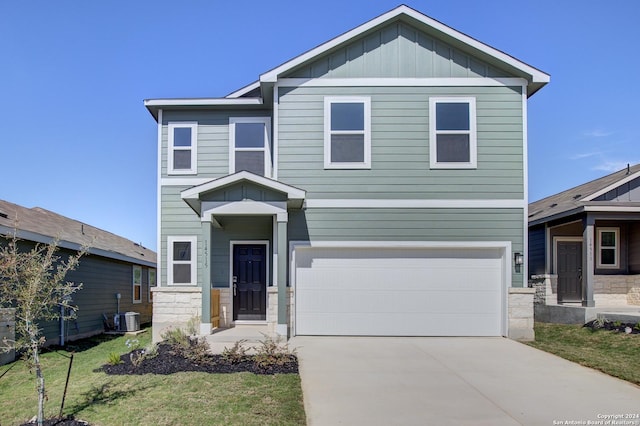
{"x":76,"y":138}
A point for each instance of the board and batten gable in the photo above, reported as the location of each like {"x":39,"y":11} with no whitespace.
{"x":400,"y":145}
{"x":396,"y":50}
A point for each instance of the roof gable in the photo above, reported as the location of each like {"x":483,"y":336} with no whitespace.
{"x":396,"y":50}
{"x":435,"y":29}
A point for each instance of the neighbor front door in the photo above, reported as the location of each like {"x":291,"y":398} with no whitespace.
{"x":249,"y":282}
{"x":569,"y":270}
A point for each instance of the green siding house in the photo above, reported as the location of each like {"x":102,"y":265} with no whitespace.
{"x":374,"y":185}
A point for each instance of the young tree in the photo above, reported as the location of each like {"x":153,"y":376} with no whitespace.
{"x":33,"y":282}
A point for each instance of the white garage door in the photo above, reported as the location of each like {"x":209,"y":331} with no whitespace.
{"x":399,"y":291}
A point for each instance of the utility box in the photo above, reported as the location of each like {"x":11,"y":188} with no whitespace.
{"x":130,"y":321}
{"x":7,"y":335}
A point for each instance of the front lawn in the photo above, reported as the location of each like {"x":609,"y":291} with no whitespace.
{"x":613,"y":353}
{"x":188,"y":398}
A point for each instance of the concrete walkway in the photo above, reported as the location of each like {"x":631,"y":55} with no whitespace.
{"x":225,"y":337}
{"x":453,"y":381}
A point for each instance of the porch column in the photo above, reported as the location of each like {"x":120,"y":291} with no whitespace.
{"x":205,"y":279}
{"x":588,"y":257}
{"x":281,"y":253}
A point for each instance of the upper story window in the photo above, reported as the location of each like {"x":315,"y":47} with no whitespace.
{"x":249,"y":145}
{"x":182,"y":148}
{"x":608,"y":243}
{"x":347,"y":133}
{"x":452,"y":133}
{"x":181,"y":260}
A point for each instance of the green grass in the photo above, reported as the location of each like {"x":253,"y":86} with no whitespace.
{"x":616,"y":354}
{"x":183,"y":398}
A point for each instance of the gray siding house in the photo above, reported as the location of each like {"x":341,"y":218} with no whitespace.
{"x":113,"y":265}
{"x":584,"y":243}
{"x":374,"y":185}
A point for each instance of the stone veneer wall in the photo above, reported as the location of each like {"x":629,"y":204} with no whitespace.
{"x":616,"y":289}
{"x":174,"y":307}
{"x":521,"y":313}
{"x":272,"y":309}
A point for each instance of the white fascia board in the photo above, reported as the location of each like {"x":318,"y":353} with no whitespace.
{"x":404,"y":82}
{"x":612,"y":209}
{"x":244,"y":90}
{"x":414,"y":204}
{"x":162,"y":103}
{"x":292,"y":193}
{"x":401,"y":244}
{"x":537,"y":76}
{"x":612,"y":186}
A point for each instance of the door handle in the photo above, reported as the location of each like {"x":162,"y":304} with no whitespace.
{"x":235,"y":285}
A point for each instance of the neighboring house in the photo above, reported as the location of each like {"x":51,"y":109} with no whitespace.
{"x":113,"y":265}
{"x":374,"y":185}
{"x":584,"y":243}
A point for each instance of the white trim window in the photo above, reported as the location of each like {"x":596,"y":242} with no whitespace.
{"x":347,"y":132}
{"x":452,"y":133}
{"x":183,"y":148}
{"x":182,"y":260}
{"x":250,"y":145}
{"x":608,"y":254}
{"x":152,"y":283}
{"x":137,"y":284}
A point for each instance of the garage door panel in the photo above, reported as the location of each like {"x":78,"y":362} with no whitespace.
{"x":405,"y":292}
{"x":425,"y":324}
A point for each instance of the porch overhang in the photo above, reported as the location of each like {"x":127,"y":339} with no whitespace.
{"x":194,"y":196}
{"x":244,"y":208}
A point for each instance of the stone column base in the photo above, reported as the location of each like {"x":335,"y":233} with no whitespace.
{"x":520,"y":315}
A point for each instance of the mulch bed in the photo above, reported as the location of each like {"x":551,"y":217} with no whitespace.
{"x":613,"y":326}
{"x":169,"y":361}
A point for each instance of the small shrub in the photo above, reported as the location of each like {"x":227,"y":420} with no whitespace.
{"x":193,"y":326}
{"x":272,"y":352}
{"x":114,"y":359}
{"x":235,"y":353}
{"x":599,"y":322}
{"x":197,"y":351}
{"x":175,"y":337}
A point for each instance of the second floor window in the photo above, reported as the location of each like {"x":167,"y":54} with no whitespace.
{"x":452,"y":133}
{"x":249,"y":145}
{"x":347,"y":133}
{"x":181,"y":260}
{"x":182,"y":148}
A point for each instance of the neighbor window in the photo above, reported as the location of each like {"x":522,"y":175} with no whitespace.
{"x":152,"y":283}
{"x":608,"y":243}
{"x":137,"y":284}
{"x":249,"y":147}
{"x":347,"y":133}
{"x":181,"y":260}
{"x":182,"y":148}
{"x":452,"y":133}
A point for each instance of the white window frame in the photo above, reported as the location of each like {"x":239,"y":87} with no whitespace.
{"x":472,"y":132}
{"x":193,"y":262}
{"x":366,"y":101}
{"x":615,"y":248}
{"x":136,"y":268}
{"x":193,"y":148}
{"x":151,"y":283}
{"x":268,"y":169}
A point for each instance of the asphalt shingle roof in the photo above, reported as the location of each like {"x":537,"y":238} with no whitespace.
{"x":46,"y":223}
{"x":572,"y":199}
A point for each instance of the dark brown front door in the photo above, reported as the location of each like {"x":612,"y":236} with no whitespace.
{"x":249,"y":282}
{"x":569,"y":271}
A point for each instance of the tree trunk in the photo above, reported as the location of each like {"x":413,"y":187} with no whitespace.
{"x":40,"y":379}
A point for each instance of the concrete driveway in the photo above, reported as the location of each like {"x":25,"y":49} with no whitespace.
{"x":453,"y":381}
